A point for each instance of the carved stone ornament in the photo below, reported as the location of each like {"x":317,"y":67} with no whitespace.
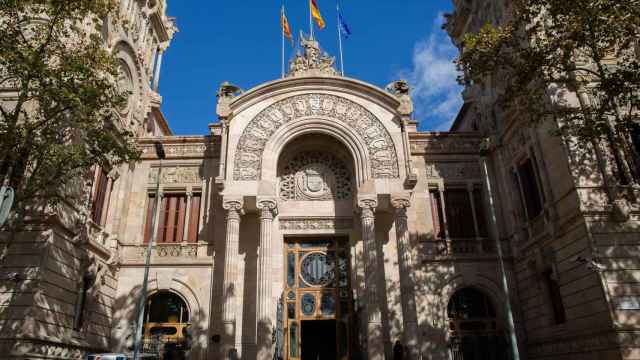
{"x":382,"y":153}
{"x":401,"y":90}
{"x":226,"y":93}
{"x":172,"y":251}
{"x":193,"y":150}
{"x":311,"y":62}
{"x":448,"y":144}
{"x":315,"y":176}
{"x":454,"y":171}
{"x":176,"y":175}
{"x":316,"y":223}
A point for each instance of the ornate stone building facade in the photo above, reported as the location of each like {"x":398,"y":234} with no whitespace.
{"x":315,"y":221}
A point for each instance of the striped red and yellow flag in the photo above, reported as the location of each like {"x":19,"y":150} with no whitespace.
{"x":315,"y":13}
{"x":286,"y":30}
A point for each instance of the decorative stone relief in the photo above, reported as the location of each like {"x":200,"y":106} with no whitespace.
{"x":177,"y":175}
{"x":440,"y":145}
{"x":173,"y":251}
{"x":382,"y":153}
{"x":197,"y":150}
{"x":311,"y":62}
{"x":453,"y":171}
{"x":316,"y":223}
{"x":315,"y":176}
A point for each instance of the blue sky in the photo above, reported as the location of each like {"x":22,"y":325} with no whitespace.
{"x":240,"y":42}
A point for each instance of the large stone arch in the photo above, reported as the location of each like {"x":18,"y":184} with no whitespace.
{"x":181,"y":289}
{"x":362,"y":132}
{"x":482,"y":283}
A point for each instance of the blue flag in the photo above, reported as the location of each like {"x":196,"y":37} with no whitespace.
{"x":345,"y":28}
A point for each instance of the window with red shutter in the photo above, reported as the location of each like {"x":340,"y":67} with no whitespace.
{"x":101,"y":197}
{"x":172,"y":218}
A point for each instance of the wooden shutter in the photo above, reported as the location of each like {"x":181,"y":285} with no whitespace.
{"x":194,"y":218}
{"x":99,"y":195}
{"x":162,"y":230}
{"x":459,"y":215}
{"x":148,"y":230}
{"x":182,"y":204}
{"x":436,"y":212}
{"x":171,"y":219}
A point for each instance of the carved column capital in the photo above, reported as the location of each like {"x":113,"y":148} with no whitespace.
{"x":268,"y":208}
{"x":401,"y":201}
{"x":233,"y":207}
{"x":367,"y":206}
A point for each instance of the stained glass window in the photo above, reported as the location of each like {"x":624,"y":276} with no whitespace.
{"x":308,"y":304}
{"x":293,"y":340}
{"x":328,"y":304}
{"x":291,"y":269}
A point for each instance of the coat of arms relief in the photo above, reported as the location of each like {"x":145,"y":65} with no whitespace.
{"x":315,"y":176}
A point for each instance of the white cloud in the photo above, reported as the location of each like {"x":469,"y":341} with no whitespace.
{"x":436,"y":92}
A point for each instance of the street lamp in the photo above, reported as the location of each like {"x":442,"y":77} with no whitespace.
{"x":143,"y":293}
{"x":484,"y":151}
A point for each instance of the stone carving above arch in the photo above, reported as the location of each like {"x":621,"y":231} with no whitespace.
{"x":382,"y":154}
{"x":315,"y":176}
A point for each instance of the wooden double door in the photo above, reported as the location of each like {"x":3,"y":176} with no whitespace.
{"x":317,"y":299}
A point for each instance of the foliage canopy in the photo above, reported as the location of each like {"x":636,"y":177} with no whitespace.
{"x":59,"y":99}
{"x":574,"y":61}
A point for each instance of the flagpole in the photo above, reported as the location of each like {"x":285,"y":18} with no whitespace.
{"x":310,"y":21}
{"x":340,"y":37}
{"x":282,"y":26}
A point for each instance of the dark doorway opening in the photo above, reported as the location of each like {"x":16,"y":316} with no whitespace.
{"x":318,"y":340}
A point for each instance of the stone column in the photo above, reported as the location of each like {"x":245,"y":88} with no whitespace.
{"x":375,"y":342}
{"x":234,"y":212}
{"x":407,"y":290}
{"x":267,"y":210}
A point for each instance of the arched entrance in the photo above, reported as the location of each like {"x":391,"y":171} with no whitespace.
{"x":166,"y":326}
{"x":474,"y":330}
{"x":315,"y":180}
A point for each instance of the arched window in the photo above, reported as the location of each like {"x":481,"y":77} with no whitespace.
{"x":166,"y":307}
{"x":474,"y":331}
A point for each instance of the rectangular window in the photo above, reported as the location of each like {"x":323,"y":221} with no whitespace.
{"x":530,"y":194}
{"x":459,"y":213}
{"x":555,"y":297}
{"x":101,"y":197}
{"x":173,"y":219}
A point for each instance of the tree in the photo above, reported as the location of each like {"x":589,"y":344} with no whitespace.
{"x":576,"y":62}
{"x":59,"y":101}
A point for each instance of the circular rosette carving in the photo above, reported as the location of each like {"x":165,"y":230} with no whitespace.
{"x":318,"y":269}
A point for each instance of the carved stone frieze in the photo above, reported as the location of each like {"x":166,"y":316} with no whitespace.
{"x":188,"y":150}
{"x":382,"y":153}
{"x":453,"y":170}
{"x":177,"y":175}
{"x":172,"y":251}
{"x":315,"y":176}
{"x":444,"y":145}
{"x":316,"y":223}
